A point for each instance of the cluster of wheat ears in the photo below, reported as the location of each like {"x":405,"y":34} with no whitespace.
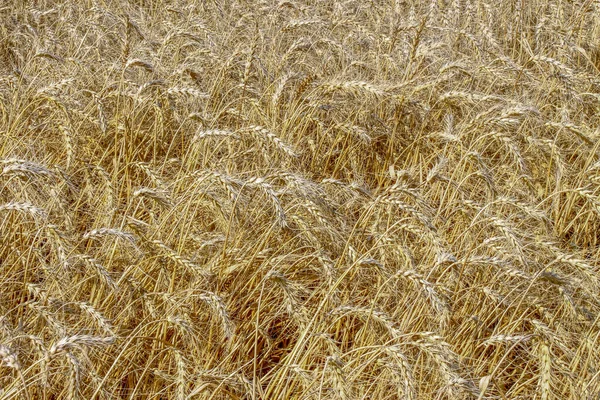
{"x":299,"y":199}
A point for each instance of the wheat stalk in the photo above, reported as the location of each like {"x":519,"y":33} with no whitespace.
{"x":78,"y":341}
{"x":25,"y":208}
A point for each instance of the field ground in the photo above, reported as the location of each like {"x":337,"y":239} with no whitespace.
{"x":299,"y":199}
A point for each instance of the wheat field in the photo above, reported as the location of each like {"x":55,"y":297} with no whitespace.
{"x":299,"y":199}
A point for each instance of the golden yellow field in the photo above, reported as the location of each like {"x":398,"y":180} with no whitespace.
{"x":309,"y":199}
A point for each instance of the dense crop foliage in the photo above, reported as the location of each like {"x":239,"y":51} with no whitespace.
{"x":299,"y":199}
